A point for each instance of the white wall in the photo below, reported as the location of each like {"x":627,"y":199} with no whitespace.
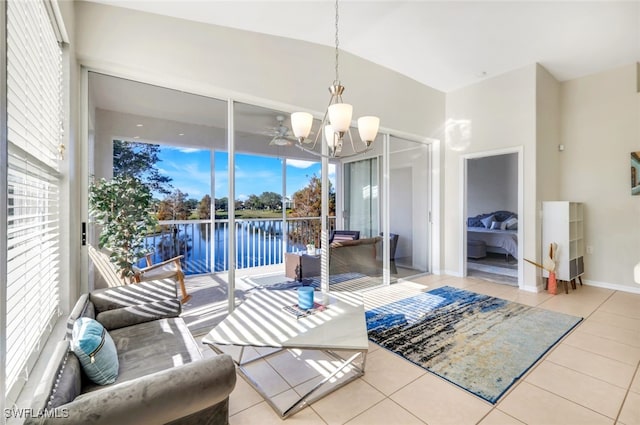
{"x":501,"y":114}
{"x":492,"y":184}
{"x":600,"y":128}
{"x":220,"y":62}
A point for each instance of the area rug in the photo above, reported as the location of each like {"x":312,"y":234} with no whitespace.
{"x":482,"y":344}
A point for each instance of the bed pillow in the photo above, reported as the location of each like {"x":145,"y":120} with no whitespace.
{"x":488,"y":220}
{"x":511,"y":223}
{"x":474,"y":222}
{"x":498,"y":225}
{"x":96,"y":351}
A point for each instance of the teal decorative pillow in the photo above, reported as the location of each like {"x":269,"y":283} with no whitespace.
{"x":96,"y":351}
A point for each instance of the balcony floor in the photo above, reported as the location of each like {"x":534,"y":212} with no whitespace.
{"x":209,"y":303}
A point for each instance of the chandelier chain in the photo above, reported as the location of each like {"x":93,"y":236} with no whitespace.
{"x":337,"y":44}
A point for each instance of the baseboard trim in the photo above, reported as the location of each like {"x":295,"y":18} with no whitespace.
{"x":613,"y":286}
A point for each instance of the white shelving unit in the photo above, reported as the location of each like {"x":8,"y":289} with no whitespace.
{"x":563,"y":223}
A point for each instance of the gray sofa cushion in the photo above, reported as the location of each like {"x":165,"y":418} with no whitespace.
{"x":134,"y":294}
{"x":135,"y":314}
{"x":195,"y":393}
{"x":83,"y":308}
{"x":61,"y":381}
{"x":151,"y":347}
{"x":69,"y":382}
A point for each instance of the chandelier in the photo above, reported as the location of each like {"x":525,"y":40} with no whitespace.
{"x":336,"y":121}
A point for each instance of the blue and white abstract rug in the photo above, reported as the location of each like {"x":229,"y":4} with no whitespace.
{"x":482,"y":344}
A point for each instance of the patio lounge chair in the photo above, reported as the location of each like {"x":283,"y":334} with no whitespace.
{"x":169,"y":269}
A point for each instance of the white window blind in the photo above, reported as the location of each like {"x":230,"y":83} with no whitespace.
{"x":34,"y":131}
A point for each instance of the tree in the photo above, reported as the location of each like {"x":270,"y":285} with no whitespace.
{"x":174,"y":207}
{"x":204,"y":208}
{"x":271,"y":200}
{"x":307,"y":202}
{"x":139,"y":160}
{"x":191,"y":204}
{"x":222,"y":204}
{"x":253,"y":202}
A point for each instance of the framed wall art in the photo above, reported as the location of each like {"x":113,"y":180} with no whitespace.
{"x":635,"y":173}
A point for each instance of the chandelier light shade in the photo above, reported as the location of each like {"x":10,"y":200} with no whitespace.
{"x":330,"y":136}
{"x":340,"y":116}
{"x":336,"y":121}
{"x":301,"y":123}
{"x":368,"y":129}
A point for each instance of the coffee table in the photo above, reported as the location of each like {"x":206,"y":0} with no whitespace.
{"x":330,"y":345}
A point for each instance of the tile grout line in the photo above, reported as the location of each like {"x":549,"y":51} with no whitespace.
{"x":570,"y":401}
{"x":591,"y":376}
{"x":626,"y":395}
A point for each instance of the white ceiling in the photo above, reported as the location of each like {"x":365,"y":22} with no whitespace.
{"x":443,"y":44}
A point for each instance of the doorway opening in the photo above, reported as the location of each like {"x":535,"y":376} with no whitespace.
{"x":492,"y":211}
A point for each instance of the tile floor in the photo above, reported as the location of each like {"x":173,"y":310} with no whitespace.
{"x":591,"y":377}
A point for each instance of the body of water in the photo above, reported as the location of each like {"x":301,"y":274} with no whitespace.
{"x":258,"y":243}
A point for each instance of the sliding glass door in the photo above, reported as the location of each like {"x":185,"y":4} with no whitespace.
{"x":409,"y":206}
{"x":362,"y":203}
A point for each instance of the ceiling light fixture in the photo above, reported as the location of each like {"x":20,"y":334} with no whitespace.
{"x":336,"y":121}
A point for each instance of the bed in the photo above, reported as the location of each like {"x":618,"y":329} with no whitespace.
{"x":498,"y":230}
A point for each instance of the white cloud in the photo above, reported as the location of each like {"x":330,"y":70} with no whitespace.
{"x":299,"y":163}
{"x":182,"y":149}
{"x":332,"y":171}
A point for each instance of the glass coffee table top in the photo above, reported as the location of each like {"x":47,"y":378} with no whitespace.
{"x":291,"y":361}
{"x":261,"y":321}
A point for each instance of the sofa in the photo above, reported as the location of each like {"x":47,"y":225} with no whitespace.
{"x":345,"y":256}
{"x":162,"y":376}
{"x":355,"y":256}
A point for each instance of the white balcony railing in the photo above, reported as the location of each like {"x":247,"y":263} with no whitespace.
{"x":259,"y":242}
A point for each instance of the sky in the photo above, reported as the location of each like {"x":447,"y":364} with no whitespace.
{"x":190,"y":170}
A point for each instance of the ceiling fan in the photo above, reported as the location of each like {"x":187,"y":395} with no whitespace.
{"x":282,"y":135}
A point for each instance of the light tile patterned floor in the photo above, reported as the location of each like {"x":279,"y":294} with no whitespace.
{"x":591,"y":377}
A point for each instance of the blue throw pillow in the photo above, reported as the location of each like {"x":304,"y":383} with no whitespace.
{"x":488,"y":220}
{"x":96,"y":351}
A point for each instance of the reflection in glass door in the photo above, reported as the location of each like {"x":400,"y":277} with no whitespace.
{"x":361,"y":197}
{"x":409,"y":201}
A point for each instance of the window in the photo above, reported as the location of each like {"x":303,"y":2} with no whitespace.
{"x":34,"y":131}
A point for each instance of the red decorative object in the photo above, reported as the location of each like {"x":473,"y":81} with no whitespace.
{"x":552,"y":284}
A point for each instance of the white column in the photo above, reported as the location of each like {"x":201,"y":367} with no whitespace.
{"x":231,"y":273}
{"x":324,"y":235}
{"x":386,"y":210}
